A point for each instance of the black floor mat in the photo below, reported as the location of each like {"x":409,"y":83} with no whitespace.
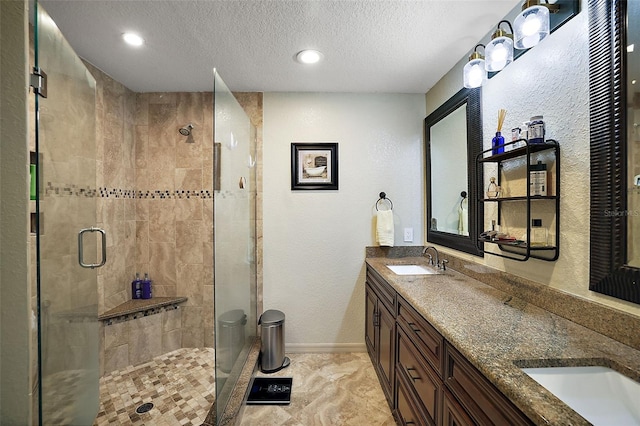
{"x":270,"y":390}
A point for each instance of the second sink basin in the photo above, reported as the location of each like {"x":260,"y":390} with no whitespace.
{"x":599,"y":394}
{"x":411,"y":270}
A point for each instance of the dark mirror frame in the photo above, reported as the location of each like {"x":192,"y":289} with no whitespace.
{"x":472,"y":97}
{"x":609,"y":273}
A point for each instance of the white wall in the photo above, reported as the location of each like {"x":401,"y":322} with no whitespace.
{"x":551,"y":79}
{"x":15,"y":403}
{"x":314,"y":241}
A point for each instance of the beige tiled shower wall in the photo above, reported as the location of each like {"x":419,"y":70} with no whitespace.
{"x":174,"y":211}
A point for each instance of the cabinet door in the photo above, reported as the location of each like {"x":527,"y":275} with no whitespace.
{"x":386,"y":348}
{"x":452,"y":413}
{"x":369,"y":325}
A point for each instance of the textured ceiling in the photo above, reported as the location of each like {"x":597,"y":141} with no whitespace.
{"x":399,"y":46}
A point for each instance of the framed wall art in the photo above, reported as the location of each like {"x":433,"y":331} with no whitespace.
{"x":314,"y":166}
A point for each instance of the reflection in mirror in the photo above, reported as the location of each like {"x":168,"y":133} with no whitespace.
{"x":614,"y":108}
{"x":449,"y":173}
{"x":633,"y":133}
{"x":453,"y":139}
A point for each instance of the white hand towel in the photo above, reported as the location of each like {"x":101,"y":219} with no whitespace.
{"x":463,"y":218}
{"x":384,"y":228}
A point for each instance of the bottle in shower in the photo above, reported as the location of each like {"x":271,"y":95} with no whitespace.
{"x":136,"y":287}
{"x":146,"y":287}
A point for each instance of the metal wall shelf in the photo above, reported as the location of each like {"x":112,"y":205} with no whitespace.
{"x":520,"y":250}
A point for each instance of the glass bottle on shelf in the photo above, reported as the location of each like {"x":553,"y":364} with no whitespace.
{"x":538,"y":234}
{"x":493,"y":190}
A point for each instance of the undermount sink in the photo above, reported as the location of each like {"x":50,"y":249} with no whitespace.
{"x":599,"y":394}
{"x":411,"y":270}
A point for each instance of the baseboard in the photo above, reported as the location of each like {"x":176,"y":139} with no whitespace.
{"x":297,"y":348}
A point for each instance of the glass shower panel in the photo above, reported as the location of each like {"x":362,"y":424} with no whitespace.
{"x":66,"y":203}
{"x":235,"y":239}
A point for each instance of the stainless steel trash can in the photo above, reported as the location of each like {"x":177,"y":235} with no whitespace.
{"x":231,"y":329}
{"x":272,"y":357}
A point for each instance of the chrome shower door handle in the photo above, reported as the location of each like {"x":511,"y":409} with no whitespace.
{"x":81,"y":248}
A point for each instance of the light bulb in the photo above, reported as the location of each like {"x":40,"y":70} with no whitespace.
{"x":499,"y":53}
{"x":474,"y":74}
{"x":531,"y":26}
{"x":133,"y":39}
{"x":309,"y":56}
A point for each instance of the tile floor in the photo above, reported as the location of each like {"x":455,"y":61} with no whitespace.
{"x":180,"y":384}
{"x":328,"y":389}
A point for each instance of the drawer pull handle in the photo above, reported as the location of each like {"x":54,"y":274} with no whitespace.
{"x":414,"y":378}
{"x":413,"y":327}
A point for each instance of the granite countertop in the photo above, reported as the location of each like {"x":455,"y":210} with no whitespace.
{"x":499,"y":333}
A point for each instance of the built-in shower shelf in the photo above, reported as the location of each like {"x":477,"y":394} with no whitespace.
{"x":143,"y":307}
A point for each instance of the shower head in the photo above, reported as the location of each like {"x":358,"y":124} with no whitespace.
{"x":186,"y":130}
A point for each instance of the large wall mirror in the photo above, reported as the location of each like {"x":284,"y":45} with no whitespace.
{"x":453,"y":139}
{"x":614,"y":86}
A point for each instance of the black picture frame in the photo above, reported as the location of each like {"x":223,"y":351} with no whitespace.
{"x":314,"y":166}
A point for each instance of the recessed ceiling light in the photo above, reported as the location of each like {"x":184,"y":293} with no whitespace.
{"x":133,"y":39}
{"x":633,"y":82}
{"x":309,"y":56}
{"x":630,"y":48}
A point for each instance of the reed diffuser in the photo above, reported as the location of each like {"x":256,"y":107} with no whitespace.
{"x":497,"y":143}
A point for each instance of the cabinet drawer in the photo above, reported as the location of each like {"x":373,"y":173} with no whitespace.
{"x":385,"y":292}
{"x":419,"y":375}
{"x":407,"y":410}
{"x":484,"y":403}
{"x":426,"y":338}
{"x":452,"y":413}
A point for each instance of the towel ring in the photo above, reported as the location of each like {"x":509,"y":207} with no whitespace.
{"x":463,"y":194}
{"x":383,"y":196}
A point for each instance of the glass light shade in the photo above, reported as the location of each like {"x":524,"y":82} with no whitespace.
{"x":474,"y":74}
{"x":499,"y":53}
{"x":530,"y":27}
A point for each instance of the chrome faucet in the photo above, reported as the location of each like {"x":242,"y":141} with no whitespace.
{"x":438,"y":264}
{"x":431,"y":261}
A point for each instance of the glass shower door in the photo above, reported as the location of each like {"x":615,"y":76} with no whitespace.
{"x":67,"y":293}
{"x":234,"y":239}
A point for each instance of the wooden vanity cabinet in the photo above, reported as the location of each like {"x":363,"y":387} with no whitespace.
{"x":380,"y":331}
{"x":425,"y":379}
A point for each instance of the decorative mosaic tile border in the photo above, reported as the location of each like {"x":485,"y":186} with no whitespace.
{"x":68,"y":190}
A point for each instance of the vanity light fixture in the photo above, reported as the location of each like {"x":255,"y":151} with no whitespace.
{"x":475,"y":73}
{"x":133,"y":39}
{"x":499,"y":51}
{"x":309,"y":56}
{"x":532,"y":24}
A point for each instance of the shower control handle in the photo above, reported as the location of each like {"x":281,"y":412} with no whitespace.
{"x":81,"y":248}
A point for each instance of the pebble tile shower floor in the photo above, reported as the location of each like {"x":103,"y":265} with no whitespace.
{"x":180,"y":384}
